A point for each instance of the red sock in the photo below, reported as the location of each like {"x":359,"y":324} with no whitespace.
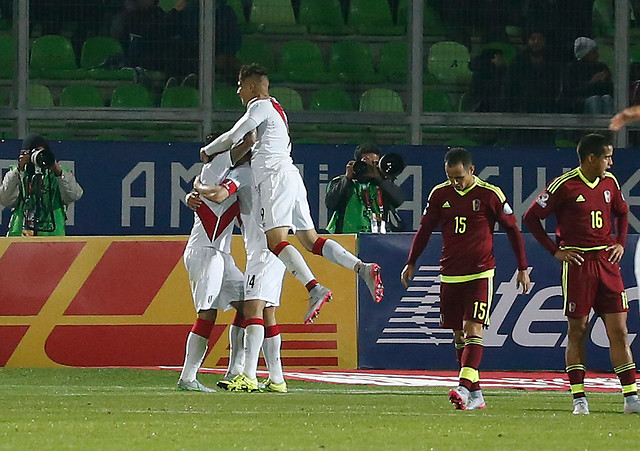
{"x":202,"y":327}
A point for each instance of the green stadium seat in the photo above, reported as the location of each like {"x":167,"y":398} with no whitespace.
{"x":40,"y":96}
{"x":52,"y":57}
{"x":238,"y":8}
{"x":167,"y":5}
{"x":436,"y":101}
{"x":81,"y":95}
{"x":180,"y":97}
{"x":466,"y":104}
{"x":381,"y":100}
{"x":302,"y":62}
{"x":602,"y":17}
{"x":131,"y":96}
{"x":331,"y":99}
{"x":289,"y":98}
{"x":351,"y":62}
{"x":7,"y":54}
{"x":634,"y":54}
{"x":227,"y":98}
{"x":323,"y":17}
{"x":449,"y":62}
{"x":432,"y":24}
{"x":607,"y":56}
{"x":255,"y":51}
{"x":275,"y":16}
{"x":95,"y":52}
{"x":373,"y":17}
{"x":509,"y":51}
{"x":394,"y":61}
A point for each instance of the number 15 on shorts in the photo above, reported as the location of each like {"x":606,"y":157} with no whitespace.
{"x":480,"y":310}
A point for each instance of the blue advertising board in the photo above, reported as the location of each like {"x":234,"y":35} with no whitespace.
{"x":136,"y":188}
{"x":527,"y":332}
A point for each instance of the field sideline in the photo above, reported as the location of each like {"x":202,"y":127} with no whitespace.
{"x":140,"y":409}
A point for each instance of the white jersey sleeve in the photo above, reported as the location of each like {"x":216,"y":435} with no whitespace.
{"x":225,"y":141}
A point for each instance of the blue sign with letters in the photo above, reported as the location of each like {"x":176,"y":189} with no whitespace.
{"x":527,"y":332}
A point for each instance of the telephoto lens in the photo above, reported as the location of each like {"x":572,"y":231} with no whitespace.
{"x":43,"y":158}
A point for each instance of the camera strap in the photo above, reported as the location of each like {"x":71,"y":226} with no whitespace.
{"x":377,"y":220}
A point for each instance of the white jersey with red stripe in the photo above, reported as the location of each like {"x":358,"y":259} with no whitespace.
{"x":272,"y":150}
{"x":213,"y":222}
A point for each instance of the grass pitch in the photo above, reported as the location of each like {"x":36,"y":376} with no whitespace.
{"x":140,"y":409}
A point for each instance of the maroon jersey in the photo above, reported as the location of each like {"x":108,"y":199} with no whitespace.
{"x":583,"y":212}
{"x":467,"y":219}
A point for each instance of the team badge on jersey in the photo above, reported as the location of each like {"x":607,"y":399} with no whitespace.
{"x":542,"y":200}
{"x":571,"y":307}
{"x":580,"y":198}
{"x":475,"y":204}
{"x":506,"y":208}
{"x":607,"y":196}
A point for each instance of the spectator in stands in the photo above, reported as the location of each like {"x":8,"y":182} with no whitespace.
{"x":38,"y":191}
{"x":586,"y":82}
{"x":142,"y":29}
{"x":534,"y":80}
{"x":364,"y":199}
{"x":487,"y":91}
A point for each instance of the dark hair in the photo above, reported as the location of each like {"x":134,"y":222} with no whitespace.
{"x":457,"y":155}
{"x":592,"y":144}
{"x":251,"y":70}
{"x":33,"y":141}
{"x":364,"y":149}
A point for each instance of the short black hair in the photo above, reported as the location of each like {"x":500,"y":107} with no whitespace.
{"x":253,"y":69}
{"x":592,"y":144}
{"x":364,"y":149}
{"x":457,"y":155}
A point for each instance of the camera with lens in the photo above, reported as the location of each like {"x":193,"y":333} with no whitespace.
{"x":390,"y":165}
{"x":42,"y":158}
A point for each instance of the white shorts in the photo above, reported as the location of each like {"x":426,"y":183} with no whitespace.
{"x":263,"y":278}
{"x":283,"y":202}
{"x":214,"y":277}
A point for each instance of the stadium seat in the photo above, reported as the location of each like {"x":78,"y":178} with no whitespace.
{"x":432,"y":24}
{"x":323,"y":17}
{"x":449,"y":62}
{"x":227,"y":99}
{"x":351,"y":62}
{"x":275,"y":16}
{"x":302,"y":62}
{"x":255,"y":51}
{"x":434,"y":100}
{"x":607,"y":56}
{"x":167,"y":5}
{"x":373,"y":17}
{"x":131,"y":96}
{"x":394,"y":61}
{"x":331,"y":99}
{"x":52,"y":57}
{"x":238,"y":8}
{"x":634,"y":54}
{"x":7,"y":52}
{"x":381,"y":100}
{"x":289,"y":98}
{"x":602,"y":17}
{"x":40,"y":96}
{"x":180,"y":97}
{"x":95,"y":52}
{"x":467,"y":104}
{"x":509,"y":51}
{"x":81,"y":95}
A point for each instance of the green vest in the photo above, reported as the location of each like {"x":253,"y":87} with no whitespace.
{"x":356,"y":217}
{"x":44,"y":209}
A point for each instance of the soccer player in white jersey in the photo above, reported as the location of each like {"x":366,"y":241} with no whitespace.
{"x":263,"y":278}
{"x":216,"y":282}
{"x":281,"y":191}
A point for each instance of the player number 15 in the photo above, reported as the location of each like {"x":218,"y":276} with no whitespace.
{"x":461,"y":224}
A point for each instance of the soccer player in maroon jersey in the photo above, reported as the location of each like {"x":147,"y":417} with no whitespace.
{"x":584,"y":200}
{"x":466,"y":208}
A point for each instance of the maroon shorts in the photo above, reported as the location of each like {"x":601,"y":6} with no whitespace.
{"x":596,"y":284}
{"x":465,"y":301}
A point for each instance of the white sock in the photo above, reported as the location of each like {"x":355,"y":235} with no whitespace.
{"x":271,"y":349}
{"x":296,"y":264}
{"x":253,"y":338}
{"x":236,"y":351}
{"x":335,"y":253}
{"x":195,"y":351}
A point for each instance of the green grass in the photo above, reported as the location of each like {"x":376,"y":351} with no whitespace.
{"x":138,"y":409}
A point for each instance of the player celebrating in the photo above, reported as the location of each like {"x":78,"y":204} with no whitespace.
{"x":262,"y":289}
{"x":467,"y":209}
{"x":583,"y":201}
{"x":216,"y":282}
{"x":281,"y":191}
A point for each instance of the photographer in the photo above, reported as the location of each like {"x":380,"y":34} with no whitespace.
{"x":364,"y":199}
{"x":38,"y":191}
